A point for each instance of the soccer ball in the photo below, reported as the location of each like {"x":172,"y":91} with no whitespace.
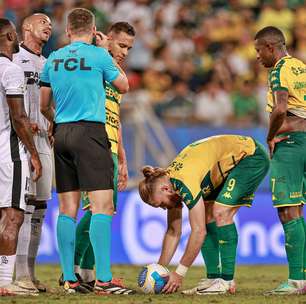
{"x":150,"y":278}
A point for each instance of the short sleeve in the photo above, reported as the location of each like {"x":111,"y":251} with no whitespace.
{"x":107,"y":66}
{"x":13,"y":80}
{"x":44,"y":75}
{"x":279,"y":78}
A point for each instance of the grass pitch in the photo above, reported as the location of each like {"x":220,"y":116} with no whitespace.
{"x":251,"y":282}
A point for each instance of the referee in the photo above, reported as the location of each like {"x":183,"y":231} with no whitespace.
{"x":74,"y":75}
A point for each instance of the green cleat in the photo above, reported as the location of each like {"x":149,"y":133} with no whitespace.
{"x":287,"y":288}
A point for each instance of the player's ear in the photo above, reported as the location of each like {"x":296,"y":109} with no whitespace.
{"x":68,"y":32}
{"x":10,"y":36}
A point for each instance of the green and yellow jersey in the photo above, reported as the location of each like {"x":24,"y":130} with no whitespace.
{"x":204,"y":165}
{"x":289,"y":74}
{"x":112,"y":110}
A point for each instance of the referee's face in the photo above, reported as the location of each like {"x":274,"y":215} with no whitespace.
{"x":119,"y":45}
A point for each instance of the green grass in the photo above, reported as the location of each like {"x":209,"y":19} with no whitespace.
{"x":251,"y":282}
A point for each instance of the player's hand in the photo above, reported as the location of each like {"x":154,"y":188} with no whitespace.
{"x":34,"y":128}
{"x":271,"y":143}
{"x":174,"y":283}
{"x":50,"y":134}
{"x":36,"y":167}
{"x":123,"y":176}
{"x":101,"y":40}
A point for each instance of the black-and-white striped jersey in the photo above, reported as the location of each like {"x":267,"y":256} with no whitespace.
{"x":32,"y":65}
{"x":11,"y":84}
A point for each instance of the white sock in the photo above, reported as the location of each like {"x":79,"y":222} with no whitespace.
{"x":88,"y":275}
{"x":24,"y":237}
{"x":36,"y":228}
{"x":7,"y":263}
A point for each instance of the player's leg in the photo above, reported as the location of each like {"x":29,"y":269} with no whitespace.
{"x":14,"y":178}
{"x":287,"y":175}
{"x":237,"y":191}
{"x":87,"y":260}
{"x":67,"y":139}
{"x":43,"y":194}
{"x":210,"y":252}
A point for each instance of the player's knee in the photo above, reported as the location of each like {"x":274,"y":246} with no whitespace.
{"x":221,"y":214}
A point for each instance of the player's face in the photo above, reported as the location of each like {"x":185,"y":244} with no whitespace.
{"x":165,"y":198}
{"x":119,"y":45}
{"x":15,"y":39}
{"x":264,"y":54}
{"x":41,"y":28}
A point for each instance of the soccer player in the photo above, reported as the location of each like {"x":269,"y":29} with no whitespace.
{"x":226,"y":169}
{"x":36,"y":30}
{"x":15,"y":139}
{"x":120,"y":38}
{"x":287,"y":144}
{"x":75,"y":75}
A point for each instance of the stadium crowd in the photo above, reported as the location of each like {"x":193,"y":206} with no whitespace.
{"x":194,"y":60}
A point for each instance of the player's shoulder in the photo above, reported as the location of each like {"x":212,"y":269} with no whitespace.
{"x":9,"y":66}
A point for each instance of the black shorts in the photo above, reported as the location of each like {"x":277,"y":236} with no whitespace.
{"x":82,"y":157}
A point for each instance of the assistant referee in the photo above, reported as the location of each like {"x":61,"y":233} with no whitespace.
{"x":74,"y":75}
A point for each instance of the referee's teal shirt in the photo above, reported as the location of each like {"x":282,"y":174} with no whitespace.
{"x":76,"y":74}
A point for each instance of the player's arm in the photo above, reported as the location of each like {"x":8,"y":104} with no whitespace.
{"x":46,"y":106}
{"x":122,"y":163}
{"x":121,"y":83}
{"x":22,"y":127}
{"x":195,"y":241}
{"x":172,"y":235}
{"x":279,"y":113}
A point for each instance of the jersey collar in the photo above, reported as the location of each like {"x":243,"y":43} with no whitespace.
{"x":3,"y":55}
{"x":285,"y":57}
{"x":29,"y":50}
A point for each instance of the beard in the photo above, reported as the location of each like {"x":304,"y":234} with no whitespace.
{"x":175,"y":198}
{"x":16,"y":47}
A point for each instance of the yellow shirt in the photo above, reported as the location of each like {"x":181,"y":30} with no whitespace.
{"x":289,"y":74}
{"x":204,"y":165}
{"x":112,"y":110}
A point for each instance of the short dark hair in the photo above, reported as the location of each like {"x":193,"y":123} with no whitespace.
{"x":271,"y":33}
{"x":80,"y":20}
{"x":119,"y":27}
{"x":4,"y":23}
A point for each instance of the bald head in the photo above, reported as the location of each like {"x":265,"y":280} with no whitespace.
{"x":36,"y":27}
{"x":8,"y":37}
{"x":271,"y":35}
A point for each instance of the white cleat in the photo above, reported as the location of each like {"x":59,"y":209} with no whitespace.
{"x":18,"y":290}
{"x":287,"y":288}
{"x":27,"y":284}
{"x":203,"y":284}
{"x":219,"y":286}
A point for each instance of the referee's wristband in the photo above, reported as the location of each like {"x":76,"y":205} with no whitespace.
{"x":181,"y":270}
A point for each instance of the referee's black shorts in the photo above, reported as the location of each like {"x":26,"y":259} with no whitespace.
{"x":82,"y":157}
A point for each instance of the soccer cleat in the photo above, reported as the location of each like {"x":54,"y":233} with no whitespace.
{"x":74,"y":287}
{"x":115,"y":286}
{"x":88,"y":286}
{"x":203,"y":284}
{"x":13,"y":289}
{"x":40,"y":286}
{"x":287,"y":288}
{"x":219,"y":286}
{"x":27,"y":284}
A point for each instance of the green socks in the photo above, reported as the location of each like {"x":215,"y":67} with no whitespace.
{"x":228,"y":240}
{"x":210,"y":252}
{"x":294,"y":245}
{"x":82,"y":241}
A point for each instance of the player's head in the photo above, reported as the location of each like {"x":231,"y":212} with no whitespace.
{"x":269,"y":41}
{"x":156,"y":188}
{"x":37,"y":27}
{"x":121,"y":37}
{"x":8,"y":35}
{"x":80,"y":23}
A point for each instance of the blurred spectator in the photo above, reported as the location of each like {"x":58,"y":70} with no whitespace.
{"x":245,"y":105}
{"x":178,"y":107}
{"x":213,"y":105}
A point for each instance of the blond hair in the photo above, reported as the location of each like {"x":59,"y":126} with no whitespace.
{"x":146,"y":186}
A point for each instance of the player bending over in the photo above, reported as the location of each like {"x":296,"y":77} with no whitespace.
{"x":226,"y":169}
